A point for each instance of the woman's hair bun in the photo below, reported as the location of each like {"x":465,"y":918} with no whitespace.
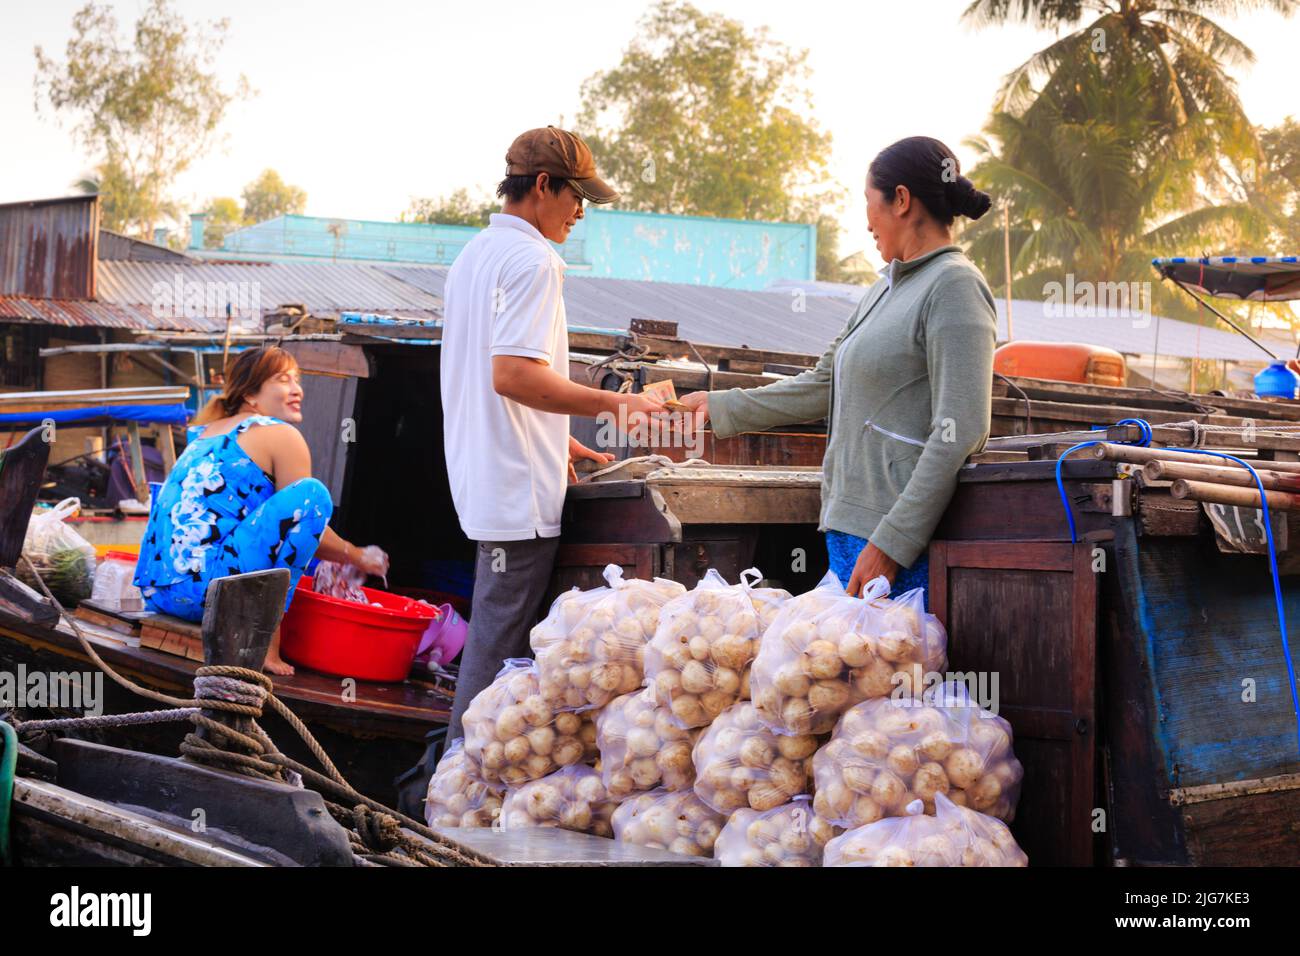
{"x":932,"y":174}
{"x":966,"y":199}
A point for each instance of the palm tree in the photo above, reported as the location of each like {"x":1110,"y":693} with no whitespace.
{"x":1098,"y":184}
{"x":1184,"y":52}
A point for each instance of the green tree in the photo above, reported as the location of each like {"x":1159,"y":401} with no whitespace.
{"x":223,"y":215}
{"x":1182,"y":52}
{"x":458,"y":209}
{"x":269,"y":196}
{"x":702,"y":117}
{"x":123,"y":203}
{"x":1275,"y":186}
{"x":147,"y":109}
{"x":1100,"y":196}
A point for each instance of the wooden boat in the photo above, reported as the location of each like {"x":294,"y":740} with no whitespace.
{"x":373,"y":731}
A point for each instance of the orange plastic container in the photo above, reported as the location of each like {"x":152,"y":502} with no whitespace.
{"x":1061,"y":362}
{"x":354,"y":640}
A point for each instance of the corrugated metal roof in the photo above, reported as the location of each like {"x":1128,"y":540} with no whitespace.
{"x":79,"y":312}
{"x":48,"y":247}
{"x":760,"y":320}
{"x":324,"y":288}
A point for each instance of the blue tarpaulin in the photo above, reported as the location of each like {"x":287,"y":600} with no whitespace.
{"x":162,"y":414}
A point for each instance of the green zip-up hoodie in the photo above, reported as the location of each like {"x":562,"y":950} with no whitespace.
{"x":906,"y":392}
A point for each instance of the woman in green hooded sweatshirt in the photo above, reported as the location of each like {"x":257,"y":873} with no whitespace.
{"x":905,"y":388}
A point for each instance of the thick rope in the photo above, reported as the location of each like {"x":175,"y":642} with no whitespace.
{"x":243,"y":692}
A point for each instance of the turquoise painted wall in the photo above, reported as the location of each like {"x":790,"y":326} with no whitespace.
{"x":611,"y":243}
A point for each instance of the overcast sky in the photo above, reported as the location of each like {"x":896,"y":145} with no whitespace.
{"x":366,"y":105}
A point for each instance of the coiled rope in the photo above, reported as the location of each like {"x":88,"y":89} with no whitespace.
{"x":244,"y":693}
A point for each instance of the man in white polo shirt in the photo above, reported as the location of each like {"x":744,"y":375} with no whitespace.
{"x":507,"y":398}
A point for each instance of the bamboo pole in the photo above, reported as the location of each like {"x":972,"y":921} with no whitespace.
{"x":1228,"y":495}
{"x":1135,"y":455}
{"x":1231,"y":475}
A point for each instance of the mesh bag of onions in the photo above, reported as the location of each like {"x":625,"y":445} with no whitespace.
{"x":827,"y":650}
{"x":678,"y":822}
{"x":571,"y":799}
{"x":641,"y":748}
{"x":788,"y":835}
{"x":513,"y":735}
{"x":698,"y":661}
{"x":457,"y":795}
{"x":591,"y":646}
{"x":886,"y":753}
{"x":740,"y":763}
{"x":954,"y":836}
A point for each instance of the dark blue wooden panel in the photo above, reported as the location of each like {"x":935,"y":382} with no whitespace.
{"x":1206,"y":622}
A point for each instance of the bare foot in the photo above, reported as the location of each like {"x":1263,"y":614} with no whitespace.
{"x":275,"y":664}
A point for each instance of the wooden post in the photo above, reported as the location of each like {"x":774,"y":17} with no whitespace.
{"x":138,"y":481}
{"x":1140,"y":456}
{"x":1231,"y":475}
{"x":167,"y":446}
{"x":240,"y":615}
{"x":1228,"y":495}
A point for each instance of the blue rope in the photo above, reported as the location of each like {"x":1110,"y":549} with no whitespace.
{"x":1144,"y":441}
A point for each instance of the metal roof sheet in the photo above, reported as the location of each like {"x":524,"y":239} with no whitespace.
{"x":324,"y":288}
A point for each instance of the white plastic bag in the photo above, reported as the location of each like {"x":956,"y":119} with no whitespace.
{"x":788,"y":835}
{"x":63,"y":558}
{"x":677,"y":822}
{"x":591,"y":646}
{"x":886,"y":753}
{"x":513,"y":735}
{"x":457,"y":795}
{"x":641,"y":748}
{"x":954,"y":836}
{"x":827,"y":650}
{"x":699,"y":659}
{"x":571,"y":799}
{"x":740,"y":763}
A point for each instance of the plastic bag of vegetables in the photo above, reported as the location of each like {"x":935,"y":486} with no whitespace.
{"x":827,"y":650}
{"x":886,"y":753}
{"x":591,"y":646}
{"x":571,"y":799}
{"x":740,"y":763}
{"x":63,"y":558}
{"x":513,"y":735}
{"x":788,"y":835}
{"x":698,"y":661}
{"x":954,"y":836}
{"x":678,"y":822}
{"x":641,"y":748}
{"x":457,"y":795}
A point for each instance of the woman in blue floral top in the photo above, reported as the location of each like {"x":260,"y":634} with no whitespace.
{"x":241,"y":497}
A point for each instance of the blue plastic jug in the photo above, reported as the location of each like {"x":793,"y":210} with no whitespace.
{"x":1277,"y":381}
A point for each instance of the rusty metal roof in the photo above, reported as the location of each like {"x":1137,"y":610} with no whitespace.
{"x":48,"y":247}
{"x":89,"y":313}
{"x":324,"y":288}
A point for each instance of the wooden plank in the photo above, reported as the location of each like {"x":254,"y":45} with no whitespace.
{"x":136,"y":449}
{"x":735,"y":503}
{"x":1252,"y":830}
{"x":15,"y":402}
{"x":404,"y":710}
{"x":330,"y":358}
{"x":1051,"y":390}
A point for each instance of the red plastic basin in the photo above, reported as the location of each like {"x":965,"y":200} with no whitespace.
{"x":354,"y":640}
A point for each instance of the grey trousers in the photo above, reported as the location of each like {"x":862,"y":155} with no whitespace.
{"x":510,"y":579}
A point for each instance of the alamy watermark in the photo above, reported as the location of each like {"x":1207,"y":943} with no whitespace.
{"x":184,"y":298}
{"x":68,"y":690}
{"x":1084,"y":299}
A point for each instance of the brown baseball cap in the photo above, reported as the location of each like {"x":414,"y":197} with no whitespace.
{"x":559,"y":153}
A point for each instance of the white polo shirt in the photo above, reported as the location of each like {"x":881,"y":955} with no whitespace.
{"x":508,"y":463}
